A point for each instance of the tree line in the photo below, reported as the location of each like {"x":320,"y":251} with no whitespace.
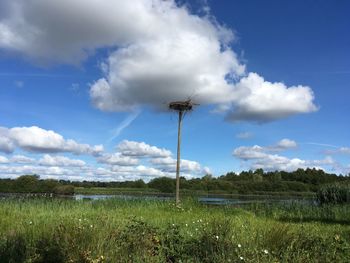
{"x":245,"y":182}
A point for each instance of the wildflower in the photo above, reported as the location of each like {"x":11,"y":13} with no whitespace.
{"x":266,"y":251}
{"x":337,"y":237}
{"x":241,"y":258}
{"x":79,"y":219}
{"x":217,"y":237}
{"x":30,"y":222}
{"x":186,"y":225}
{"x":173,"y":224}
{"x":239,"y":245}
{"x":91,"y":226}
{"x":196,"y":229}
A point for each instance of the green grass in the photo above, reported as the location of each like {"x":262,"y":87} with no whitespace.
{"x":53,"y":230}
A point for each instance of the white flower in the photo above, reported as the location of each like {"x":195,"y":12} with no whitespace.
{"x":79,"y":219}
{"x":241,"y":258}
{"x":266,"y":251}
{"x":186,"y":225}
{"x":217,"y":237}
{"x":91,"y":226}
{"x":239,"y":245}
{"x":30,"y":222}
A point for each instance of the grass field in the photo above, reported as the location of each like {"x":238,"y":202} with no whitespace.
{"x":54,"y":230}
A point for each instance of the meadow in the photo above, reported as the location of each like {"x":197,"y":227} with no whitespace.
{"x":114,"y":230}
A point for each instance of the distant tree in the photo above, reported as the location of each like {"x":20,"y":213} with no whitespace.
{"x":64,"y":190}
{"x":139,"y":184}
{"x":206,"y":181}
{"x":163,"y":184}
{"x":47,"y":186}
{"x":27,"y":183}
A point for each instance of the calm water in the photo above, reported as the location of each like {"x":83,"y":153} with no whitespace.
{"x":213,"y":200}
{"x":210,"y":200}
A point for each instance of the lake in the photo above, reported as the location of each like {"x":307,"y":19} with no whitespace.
{"x":210,"y":200}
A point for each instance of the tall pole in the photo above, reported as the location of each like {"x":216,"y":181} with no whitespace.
{"x":178,"y":159}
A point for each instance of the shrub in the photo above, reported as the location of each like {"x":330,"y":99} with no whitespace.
{"x":64,"y":190}
{"x":13,"y":249}
{"x":138,"y":241}
{"x":214,"y":243}
{"x":333,"y":194}
{"x":50,"y":250}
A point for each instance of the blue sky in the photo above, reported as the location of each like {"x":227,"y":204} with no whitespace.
{"x":84,"y":88}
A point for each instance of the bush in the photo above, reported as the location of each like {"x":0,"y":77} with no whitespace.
{"x":333,"y":194}
{"x":138,"y":241}
{"x":13,"y":249}
{"x":64,"y":190}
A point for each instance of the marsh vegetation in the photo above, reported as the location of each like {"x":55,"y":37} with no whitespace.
{"x":114,"y":230}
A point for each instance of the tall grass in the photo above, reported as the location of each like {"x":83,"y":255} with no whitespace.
{"x":52,"y":230}
{"x":334,"y":194}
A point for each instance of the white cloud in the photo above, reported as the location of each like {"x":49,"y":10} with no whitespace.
{"x":244,"y":135}
{"x":6,"y":144}
{"x":286,"y":144}
{"x":118,"y":159}
{"x":261,"y":101}
{"x":165,"y":54}
{"x":3,"y":159}
{"x":141,"y":149}
{"x":248,"y":153}
{"x":169,"y":164}
{"x":38,"y":140}
{"x":255,"y":157}
{"x":60,"y":161}
{"x":22,"y":159}
{"x":340,"y":150}
{"x":282,"y":145}
{"x":132,"y":161}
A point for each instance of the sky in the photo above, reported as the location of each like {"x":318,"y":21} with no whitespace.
{"x":84,"y":87}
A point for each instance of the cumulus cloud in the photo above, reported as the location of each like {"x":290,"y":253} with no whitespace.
{"x":259,"y":100}
{"x":22,"y":159}
{"x":248,"y":153}
{"x":141,"y":149}
{"x":166,"y":54}
{"x":61,"y":161}
{"x":286,"y":144}
{"x":118,"y":159}
{"x":6,"y":143}
{"x":131,"y":161}
{"x":254,"y":157}
{"x":38,"y":140}
{"x":169,"y":164}
{"x":3,"y":159}
{"x":282,"y":145}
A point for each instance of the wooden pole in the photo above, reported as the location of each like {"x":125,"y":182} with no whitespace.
{"x":178,"y":159}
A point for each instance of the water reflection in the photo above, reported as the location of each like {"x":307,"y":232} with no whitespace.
{"x":210,"y":200}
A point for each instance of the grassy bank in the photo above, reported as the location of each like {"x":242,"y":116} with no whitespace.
{"x":52,"y":230}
